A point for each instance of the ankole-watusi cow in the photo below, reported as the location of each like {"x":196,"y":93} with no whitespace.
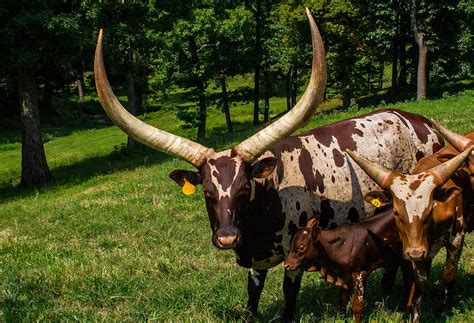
{"x":260,"y":191}
{"x":429,"y":214}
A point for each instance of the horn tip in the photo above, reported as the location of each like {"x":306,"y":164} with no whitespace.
{"x":99,"y":38}
{"x":350,"y":152}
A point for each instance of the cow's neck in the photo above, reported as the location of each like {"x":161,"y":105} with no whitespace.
{"x":330,"y":246}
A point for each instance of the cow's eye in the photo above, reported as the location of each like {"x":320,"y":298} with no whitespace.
{"x":209,"y":196}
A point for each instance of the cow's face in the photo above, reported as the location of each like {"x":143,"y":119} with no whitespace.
{"x":413,"y":198}
{"x":303,"y":253}
{"x":226,"y":184}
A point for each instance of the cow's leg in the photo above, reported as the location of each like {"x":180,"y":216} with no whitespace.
{"x":358,"y":281}
{"x":389,"y":275}
{"x":453,"y":253}
{"x":291,"y":287}
{"x":421,"y":270}
{"x":408,"y":282}
{"x":255,"y":283}
{"x":344,"y":296}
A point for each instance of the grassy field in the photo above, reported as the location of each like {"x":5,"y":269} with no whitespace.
{"x":112,"y":238}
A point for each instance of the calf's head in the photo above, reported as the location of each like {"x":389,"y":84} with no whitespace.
{"x":225,"y":175}
{"x":413,"y":198}
{"x":303,"y":253}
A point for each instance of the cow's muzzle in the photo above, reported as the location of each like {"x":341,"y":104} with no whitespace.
{"x":227,"y":238}
{"x":416,"y":253}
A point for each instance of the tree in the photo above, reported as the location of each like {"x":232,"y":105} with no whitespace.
{"x":34,"y":168}
{"x":422,"y":54}
{"x":127,"y":23}
{"x":35,"y":34}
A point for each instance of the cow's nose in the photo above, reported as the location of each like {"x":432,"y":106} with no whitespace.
{"x":416,"y":253}
{"x":226,"y":242}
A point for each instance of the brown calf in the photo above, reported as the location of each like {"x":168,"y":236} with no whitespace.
{"x":428,"y":212}
{"x":347,"y":254}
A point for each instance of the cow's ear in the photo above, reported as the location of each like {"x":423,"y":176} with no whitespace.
{"x":378,"y":198}
{"x":446,"y":194}
{"x":313,"y":221}
{"x":179,"y":176}
{"x":264,"y":167}
{"x":315,"y":233}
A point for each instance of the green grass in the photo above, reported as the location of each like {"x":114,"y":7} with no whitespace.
{"x":112,"y":238}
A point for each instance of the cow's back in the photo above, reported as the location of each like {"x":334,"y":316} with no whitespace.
{"x":314,"y":176}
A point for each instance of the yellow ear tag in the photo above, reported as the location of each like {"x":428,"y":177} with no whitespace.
{"x":188,"y":188}
{"x":376,"y":203}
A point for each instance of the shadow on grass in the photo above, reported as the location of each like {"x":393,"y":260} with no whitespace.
{"x":408,"y":92}
{"x":319,"y":301}
{"x":121,"y":159}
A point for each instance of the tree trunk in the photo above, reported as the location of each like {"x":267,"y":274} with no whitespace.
{"x":422,"y":56}
{"x":288,"y":89}
{"x":395,"y":50}
{"x":80,"y":80}
{"x":131,"y":93}
{"x":381,"y":74}
{"x":258,"y":59}
{"x":266,"y":109}
{"x":404,"y":26}
{"x":34,"y":167}
{"x":80,"y":87}
{"x":47,"y":102}
{"x":346,"y":93}
{"x":225,"y":104}
{"x":198,"y":82}
{"x":294,"y":86}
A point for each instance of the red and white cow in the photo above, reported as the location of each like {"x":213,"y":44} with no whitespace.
{"x":428,"y":209}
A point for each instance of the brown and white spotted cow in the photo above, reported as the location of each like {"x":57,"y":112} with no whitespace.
{"x":428,"y":209}
{"x":260,"y":191}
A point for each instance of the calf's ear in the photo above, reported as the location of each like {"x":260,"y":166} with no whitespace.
{"x":446,"y":194}
{"x":378,"y":198}
{"x":264,"y":167}
{"x":313,"y":221}
{"x":179,"y":176}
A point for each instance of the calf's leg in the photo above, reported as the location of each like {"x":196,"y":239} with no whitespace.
{"x":344,"y":296}
{"x":358,"y":282}
{"x":291,"y":287}
{"x":255,"y":283}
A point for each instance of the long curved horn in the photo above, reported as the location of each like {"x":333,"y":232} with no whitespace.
{"x":251,"y":148}
{"x":379,"y":174}
{"x":444,"y":171}
{"x":188,"y":150}
{"x":457,"y":141}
